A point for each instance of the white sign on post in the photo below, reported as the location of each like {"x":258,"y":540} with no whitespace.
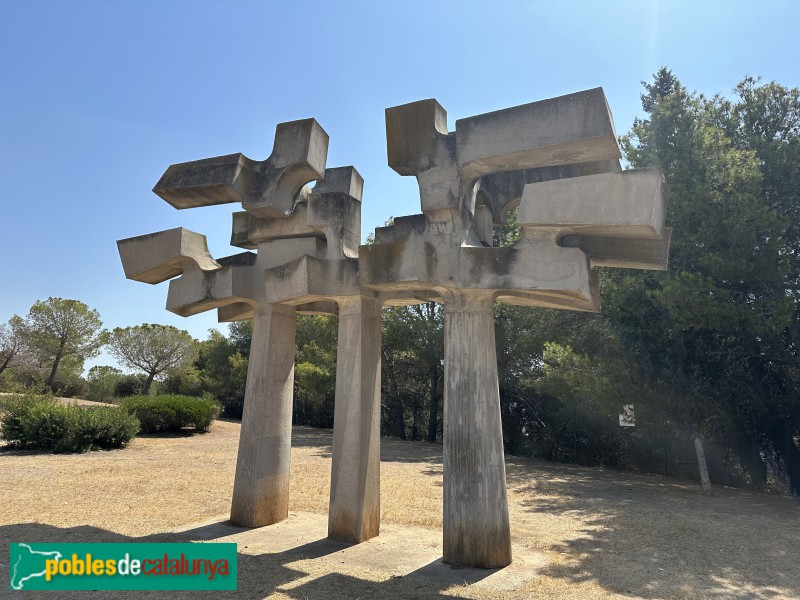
{"x":626,"y":418}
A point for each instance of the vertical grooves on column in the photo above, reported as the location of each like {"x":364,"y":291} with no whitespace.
{"x":476,"y":528}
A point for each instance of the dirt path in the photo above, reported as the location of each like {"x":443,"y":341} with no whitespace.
{"x":577,"y":532}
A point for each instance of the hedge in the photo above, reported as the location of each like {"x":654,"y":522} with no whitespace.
{"x":43,"y":424}
{"x":171,"y":412}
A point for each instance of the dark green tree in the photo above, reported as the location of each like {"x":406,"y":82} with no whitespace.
{"x":154,"y":349}
{"x":709,"y":328}
{"x":12,"y":341}
{"x":59,"y":329}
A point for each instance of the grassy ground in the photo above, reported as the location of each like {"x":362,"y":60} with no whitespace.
{"x":577,"y":532}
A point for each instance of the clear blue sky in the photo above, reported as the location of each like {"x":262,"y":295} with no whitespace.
{"x":98,"y":98}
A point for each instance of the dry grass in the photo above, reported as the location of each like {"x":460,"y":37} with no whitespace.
{"x":577,"y":532}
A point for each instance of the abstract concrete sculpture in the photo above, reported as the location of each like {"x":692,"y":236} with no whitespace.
{"x":557,"y":160}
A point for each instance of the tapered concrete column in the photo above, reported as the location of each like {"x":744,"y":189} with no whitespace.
{"x":476,"y":528}
{"x":261,"y":486}
{"x":355,"y":474}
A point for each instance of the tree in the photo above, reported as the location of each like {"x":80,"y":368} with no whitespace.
{"x":714,"y":328}
{"x":315,"y":370}
{"x":223,"y":368}
{"x":102,"y":379}
{"x":60,"y":329}
{"x":153,"y":348}
{"x":12,"y":340}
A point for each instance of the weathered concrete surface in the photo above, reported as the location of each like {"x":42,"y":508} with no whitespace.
{"x":236,"y":282}
{"x":269,"y":192}
{"x":311,"y":281}
{"x":574,"y":128}
{"x":156,"y":257}
{"x":331,"y":211}
{"x":502,"y":192}
{"x":629,"y":204}
{"x":623,"y":253}
{"x":261,"y":485}
{"x":354,"y":514}
{"x":534,"y":269}
{"x":476,"y":527}
{"x":267,"y":188}
{"x":570,"y":129}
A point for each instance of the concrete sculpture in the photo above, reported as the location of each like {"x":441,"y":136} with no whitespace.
{"x":557,"y":160}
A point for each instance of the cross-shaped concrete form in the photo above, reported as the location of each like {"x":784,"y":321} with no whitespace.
{"x":557,"y":160}
{"x":286,"y":223}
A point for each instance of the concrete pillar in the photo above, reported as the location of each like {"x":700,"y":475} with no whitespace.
{"x":261,"y":486}
{"x":476,"y":529}
{"x":355,"y":473}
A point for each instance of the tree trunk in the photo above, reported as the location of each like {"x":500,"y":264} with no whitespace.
{"x":702,"y":466}
{"x":6,"y":361}
{"x":150,"y":376}
{"x":52,"y":377}
{"x":397,"y":426}
{"x":57,"y":360}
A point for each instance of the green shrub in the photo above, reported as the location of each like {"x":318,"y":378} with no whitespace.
{"x":70,"y":387}
{"x":129,"y":385}
{"x":184,"y":383}
{"x":172,"y":412}
{"x":43,"y":424}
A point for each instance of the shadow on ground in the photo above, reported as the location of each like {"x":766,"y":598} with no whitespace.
{"x":660,"y":538}
{"x":392,"y":450}
{"x":260,"y":575}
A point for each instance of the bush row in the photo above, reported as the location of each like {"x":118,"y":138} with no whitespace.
{"x":40,"y":423}
{"x":43,"y":424}
{"x":171,"y":412}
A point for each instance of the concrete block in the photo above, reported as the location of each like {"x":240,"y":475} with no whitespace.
{"x":239,"y":311}
{"x":343,"y":180}
{"x":334,"y":209}
{"x":298,"y":157}
{"x":418,"y":144}
{"x":331,"y":211}
{"x":249,"y":231}
{"x":266,"y":189}
{"x":400,"y":229}
{"x":569,"y":129}
{"x":156,"y":257}
{"x":626,"y":204}
{"x":320,"y":307}
{"x":484,"y":224}
{"x":199,"y":291}
{"x":279,"y":252}
{"x":623,"y":253}
{"x":414,"y":263}
{"x":308,"y":279}
{"x":541,"y":275}
{"x":206,"y":182}
{"x":503,"y":191}
{"x":414,"y":132}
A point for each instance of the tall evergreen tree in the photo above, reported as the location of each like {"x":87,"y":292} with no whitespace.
{"x":709,"y":329}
